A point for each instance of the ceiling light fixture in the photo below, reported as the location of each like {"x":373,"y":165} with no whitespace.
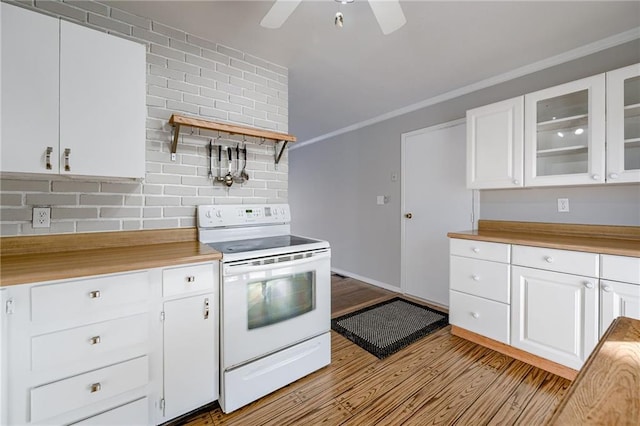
{"x":339,"y":20}
{"x":579,"y":131}
{"x":344,"y":1}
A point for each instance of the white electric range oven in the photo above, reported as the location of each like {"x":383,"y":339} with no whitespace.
{"x":275,"y":303}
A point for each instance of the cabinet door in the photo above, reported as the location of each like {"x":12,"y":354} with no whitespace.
{"x":190,"y":354}
{"x":102,"y":103}
{"x":495,"y":144}
{"x":618,"y":300}
{"x":29,"y":87}
{"x":623,"y":124}
{"x":565,"y":134}
{"x":554,"y":315}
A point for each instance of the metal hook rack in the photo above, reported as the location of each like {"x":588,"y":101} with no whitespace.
{"x":178,"y":120}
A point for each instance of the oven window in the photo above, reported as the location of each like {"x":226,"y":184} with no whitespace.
{"x":279,"y":299}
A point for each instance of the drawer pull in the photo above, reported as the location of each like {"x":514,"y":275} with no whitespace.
{"x":67,"y":154}
{"x":476,"y":250}
{"x":549,"y":259}
{"x":95,"y":340}
{"x":475,"y":315}
{"x":191,"y":278}
{"x":48,"y":157}
{"x":588,"y":284}
{"x":516,"y":182}
{"x":95,"y":387}
{"x":94,"y":294}
{"x":606,"y":288}
{"x":475,"y":277}
{"x":206,"y":308}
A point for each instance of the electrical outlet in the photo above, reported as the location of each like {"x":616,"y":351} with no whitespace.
{"x":41,"y":217}
{"x":563,"y":205}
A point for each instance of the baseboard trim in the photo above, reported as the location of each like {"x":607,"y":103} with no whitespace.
{"x":367,"y":280}
{"x":536,"y":361}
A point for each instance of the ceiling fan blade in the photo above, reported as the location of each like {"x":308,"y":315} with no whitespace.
{"x":279,"y":13}
{"x":389,"y":15}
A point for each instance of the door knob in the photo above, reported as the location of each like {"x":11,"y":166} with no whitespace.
{"x":408,"y":215}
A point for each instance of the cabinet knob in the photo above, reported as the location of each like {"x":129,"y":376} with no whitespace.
{"x":94,"y":340}
{"x":613,"y":176}
{"x":595,"y":177}
{"x":588,"y":284}
{"x":475,"y":277}
{"x":408,"y":215}
{"x":95,"y":387}
{"x":475,"y":315}
{"x":94,"y":294}
{"x":606,"y":288}
{"x":476,"y":250}
{"x":191,"y":278}
{"x":549,"y":259}
{"x":516,"y":182}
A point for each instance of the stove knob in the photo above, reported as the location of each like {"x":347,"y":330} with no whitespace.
{"x":208,"y":214}
{"x":218,"y":213}
{"x":282,"y":212}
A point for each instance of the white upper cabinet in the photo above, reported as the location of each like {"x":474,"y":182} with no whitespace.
{"x":494,"y":145}
{"x":102,"y":103}
{"x":73,"y":99}
{"x":30,"y":77}
{"x":623,"y":124}
{"x":564,"y":134}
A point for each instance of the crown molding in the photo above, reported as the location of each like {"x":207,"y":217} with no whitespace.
{"x":561,"y":58}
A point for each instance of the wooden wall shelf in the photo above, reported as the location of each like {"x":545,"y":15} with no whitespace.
{"x":178,"y":120}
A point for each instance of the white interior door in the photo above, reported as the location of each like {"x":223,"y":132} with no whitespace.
{"x":435,"y":196}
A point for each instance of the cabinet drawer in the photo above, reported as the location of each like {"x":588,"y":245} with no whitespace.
{"x":89,"y":388}
{"x":133,"y":413}
{"x":483,"y":250}
{"x":480,"y":278}
{"x":91,"y":341}
{"x":187,"y":279}
{"x":568,"y":262}
{"x":88,"y":299}
{"x":620,"y":268}
{"x":481,"y":316}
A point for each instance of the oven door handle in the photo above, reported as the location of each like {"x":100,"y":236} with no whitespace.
{"x":243,"y":268}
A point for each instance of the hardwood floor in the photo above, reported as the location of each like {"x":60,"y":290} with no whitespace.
{"x":440,"y":379}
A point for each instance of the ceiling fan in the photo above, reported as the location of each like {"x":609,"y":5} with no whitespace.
{"x":388,"y":13}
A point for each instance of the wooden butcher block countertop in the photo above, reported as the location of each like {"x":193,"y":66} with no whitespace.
{"x":604,"y":239}
{"x":607,"y":389}
{"x":31,"y":259}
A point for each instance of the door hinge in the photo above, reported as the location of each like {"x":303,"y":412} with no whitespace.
{"x":9,"y":307}
{"x":161,"y":316}
{"x":162,"y":405}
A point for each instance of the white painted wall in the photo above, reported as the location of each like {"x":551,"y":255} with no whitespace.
{"x":333,"y":183}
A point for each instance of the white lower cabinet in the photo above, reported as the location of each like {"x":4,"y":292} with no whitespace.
{"x":110,"y":349}
{"x":479,"y":288}
{"x":554,"y":315}
{"x":618,"y":299}
{"x":619,"y":289}
{"x":552,"y":303}
{"x":189,"y":338}
{"x":190,"y":354}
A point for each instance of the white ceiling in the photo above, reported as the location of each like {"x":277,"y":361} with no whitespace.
{"x":341,"y":77}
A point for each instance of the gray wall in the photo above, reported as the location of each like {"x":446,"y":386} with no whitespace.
{"x":333,"y":183}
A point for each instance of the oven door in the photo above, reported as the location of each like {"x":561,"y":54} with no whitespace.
{"x":272,"y":303}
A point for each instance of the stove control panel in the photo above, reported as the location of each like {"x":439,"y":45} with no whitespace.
{"x":215,"y":216}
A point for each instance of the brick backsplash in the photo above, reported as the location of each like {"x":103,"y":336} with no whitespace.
{"x":185,"y":74}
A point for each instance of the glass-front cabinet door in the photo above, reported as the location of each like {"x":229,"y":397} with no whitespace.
{"x":623,"y":124}
{"x":565,"y":134}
